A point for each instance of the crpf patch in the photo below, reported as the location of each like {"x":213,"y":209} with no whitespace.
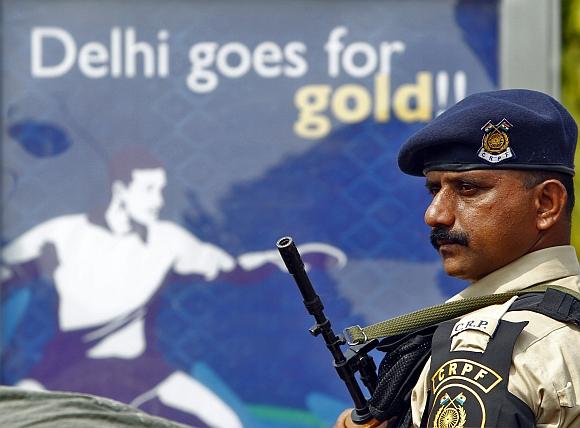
{"x":486,"y":325}
{"x":495,"y":142}
{"x":460,"y":388}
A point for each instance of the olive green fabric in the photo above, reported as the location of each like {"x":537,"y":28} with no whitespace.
{"x":435,"y":314}
{"x":34,"y":409}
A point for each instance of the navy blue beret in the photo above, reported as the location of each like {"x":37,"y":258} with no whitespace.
{"x":509,"y":129}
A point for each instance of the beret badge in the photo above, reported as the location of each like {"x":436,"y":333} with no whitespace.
{"x":495,"y":143}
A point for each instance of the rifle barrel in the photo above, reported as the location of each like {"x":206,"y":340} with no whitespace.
{"x":295,"y":266}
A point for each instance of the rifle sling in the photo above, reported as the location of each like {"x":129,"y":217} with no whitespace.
{"x":421,"y":318}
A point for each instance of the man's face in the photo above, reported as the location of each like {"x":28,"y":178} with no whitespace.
{"x":481,"y":220}
{"x":143,"y":196}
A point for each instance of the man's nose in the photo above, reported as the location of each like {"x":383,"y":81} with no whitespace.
{"x":440,"y":211}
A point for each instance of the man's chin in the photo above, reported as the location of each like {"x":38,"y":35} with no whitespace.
{"x":146,"y":221}
{"x":454,"y":264}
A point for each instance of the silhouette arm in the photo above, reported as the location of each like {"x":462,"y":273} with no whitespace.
{"x":28,"y":246}
{"x":194,"y":256}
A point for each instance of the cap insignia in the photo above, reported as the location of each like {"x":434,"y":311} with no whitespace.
{"x":495,"y":143}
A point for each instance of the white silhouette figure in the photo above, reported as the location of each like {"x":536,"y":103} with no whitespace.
{"x":106,"y":274}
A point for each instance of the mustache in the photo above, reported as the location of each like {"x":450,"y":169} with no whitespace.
{"x":441,"y":235}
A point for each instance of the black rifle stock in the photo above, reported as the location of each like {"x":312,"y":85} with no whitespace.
{"x":356,"y":358}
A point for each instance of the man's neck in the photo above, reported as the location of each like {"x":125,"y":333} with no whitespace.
{"x":117,"y":219}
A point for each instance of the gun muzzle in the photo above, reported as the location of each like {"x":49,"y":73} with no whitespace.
{"x":295,"y":266}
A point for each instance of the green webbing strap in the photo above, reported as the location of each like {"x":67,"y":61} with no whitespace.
{"x":435,"y":314}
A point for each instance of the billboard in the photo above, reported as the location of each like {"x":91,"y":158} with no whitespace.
{"x":152,"y":156}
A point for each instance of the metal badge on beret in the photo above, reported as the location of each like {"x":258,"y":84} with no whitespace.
{"x":495,"y":143}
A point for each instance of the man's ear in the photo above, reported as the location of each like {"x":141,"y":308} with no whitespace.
{"x":551,"y":198}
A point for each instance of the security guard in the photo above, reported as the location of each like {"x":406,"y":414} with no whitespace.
{"x":499,"y":166}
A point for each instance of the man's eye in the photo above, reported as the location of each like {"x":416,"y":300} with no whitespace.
{"x":467,"y":188}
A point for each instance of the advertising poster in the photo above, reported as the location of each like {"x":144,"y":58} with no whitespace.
{"x":153,"y":153}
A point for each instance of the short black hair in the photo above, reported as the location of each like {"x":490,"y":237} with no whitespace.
{"x":533,"y":178}
{"x":130,"y":158}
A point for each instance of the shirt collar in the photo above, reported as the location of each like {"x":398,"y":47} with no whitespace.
{"x":534,"y":268}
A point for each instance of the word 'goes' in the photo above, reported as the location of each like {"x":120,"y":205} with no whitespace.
{"x":352,"y":103}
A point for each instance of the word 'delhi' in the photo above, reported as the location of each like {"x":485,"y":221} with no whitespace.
{"x":120,"y":58}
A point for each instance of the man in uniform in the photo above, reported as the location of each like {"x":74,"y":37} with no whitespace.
{"x":499,"y":166}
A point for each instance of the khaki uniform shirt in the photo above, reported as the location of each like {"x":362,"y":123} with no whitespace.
{"x":545,"y":369}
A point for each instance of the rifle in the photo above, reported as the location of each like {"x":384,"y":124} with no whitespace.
{"x":356,"y":358}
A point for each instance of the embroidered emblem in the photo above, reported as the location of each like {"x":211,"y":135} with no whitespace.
{"x":468,"y":371}
{"x":495,"y":143}
{"x":470,"y":382}
{"x":451,"y":414}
